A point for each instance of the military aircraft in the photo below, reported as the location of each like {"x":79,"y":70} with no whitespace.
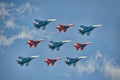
{"x":34,"y":42}
{"x":81,"y":46}
{"x":51,"y":61}
{"x":42,"y":23}
{"x":87,"y":29}
{"x":64,"y":28}
{"x":25,"y":60}
{"x":72,"y":61}
{"x":56,"y":45}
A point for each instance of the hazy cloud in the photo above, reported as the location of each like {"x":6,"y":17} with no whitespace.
{"x":9,"y":12}
{"x":111,"y":70}
{"x":91,"y":65}
{"x":108,"y":67}
{"x":24,"y":34}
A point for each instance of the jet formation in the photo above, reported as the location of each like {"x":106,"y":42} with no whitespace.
{"x":41,"y":24}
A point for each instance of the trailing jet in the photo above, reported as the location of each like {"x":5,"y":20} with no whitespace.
{"x":56,"y":45}
{"x":25,"y":60}
{"x":87,"y":30}
{"x":51,"y":61}
{"x":42,"y":23}
{"x":64,"y":28}
{"x":34,"y":43}
{"x":73,"y":61}
{"x":81,"y":46}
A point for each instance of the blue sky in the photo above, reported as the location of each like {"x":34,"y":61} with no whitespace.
{"x":16,"y":27}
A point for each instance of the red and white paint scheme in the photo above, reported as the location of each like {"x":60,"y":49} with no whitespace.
{"x":51,"y":61}
{"x":81,"y":46}
{"x":64,"y":28}
{"x":34,"y":42}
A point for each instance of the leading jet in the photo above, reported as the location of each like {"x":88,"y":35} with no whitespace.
{"x":72,"y":61}
{"x":56,"y":45}
{"x":51,"y":61}
{"x":25,"y":60}
{"x":34,"y":42}
{"x":64,"y":28}
{"x":81,"y":46}
{"x":42,"y":23}
{"x":87,"y":29}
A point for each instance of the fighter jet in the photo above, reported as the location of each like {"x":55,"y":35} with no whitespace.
{"x":51,"y":61}
{"x":64,"y":28}
{"x":56,"y":45}
{"x":72,"y":61}
{"x":25,"y":60}
{"x":87,"y":30}
{"x":81,"y":46}
{"x":34,"y":42}
{"x":42,"y":23}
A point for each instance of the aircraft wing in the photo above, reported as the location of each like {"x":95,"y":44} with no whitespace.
{"x":27,"y":64}
{"x":88,"y":33}
{"x":58,"y":48}
{"x":43,"y":27}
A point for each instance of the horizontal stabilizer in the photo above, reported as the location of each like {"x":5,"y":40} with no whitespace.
{"x":67,"y":41}
{"x":37,"y":56}
{"x":81,"y":57}
{"x":98,"y":25}
{"x":51,"y":19}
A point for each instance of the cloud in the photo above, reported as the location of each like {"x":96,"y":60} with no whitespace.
{"x":10,"y":23}
{"x":108,"y":67}
{"x":3,"y":11}
{"x":24,"y":7}
{"x":4,"y":41}
{"x":91,"y":65}
{"x":111,"y":70}
{"x":9,"y":12}
{"x":24,"y":34}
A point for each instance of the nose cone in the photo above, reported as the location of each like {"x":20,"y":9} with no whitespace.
{"x":46,"y":60}
{"x":75,"y":44}
{"x":81,"y":29}
{"x":29,"y":41}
